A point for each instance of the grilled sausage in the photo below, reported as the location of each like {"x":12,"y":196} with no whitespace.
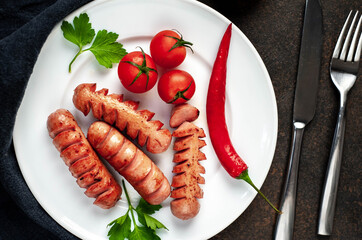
{"x":183,"y":112}
{"x":185,"y":183}
{"x":113,"y":110}
{"x":146,"y":178}
{"x":82,"y":161}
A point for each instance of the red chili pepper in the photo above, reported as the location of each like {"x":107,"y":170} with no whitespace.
{"x":215,"y":112}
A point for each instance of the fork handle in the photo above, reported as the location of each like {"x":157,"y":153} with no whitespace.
{"x":329,"y":194}
{"x":285,"y":222}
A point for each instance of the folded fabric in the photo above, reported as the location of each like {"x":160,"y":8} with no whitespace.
{"x":24,"y":27}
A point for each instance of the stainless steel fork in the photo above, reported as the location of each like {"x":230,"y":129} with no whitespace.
{"x":344,"y":71}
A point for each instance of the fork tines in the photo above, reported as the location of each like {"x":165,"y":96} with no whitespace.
{"x":348,"y":46}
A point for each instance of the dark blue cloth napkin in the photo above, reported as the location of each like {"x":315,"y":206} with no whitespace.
{"x":24,"y":26}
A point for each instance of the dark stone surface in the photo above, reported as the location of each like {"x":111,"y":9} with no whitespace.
{"x":274,"y":28}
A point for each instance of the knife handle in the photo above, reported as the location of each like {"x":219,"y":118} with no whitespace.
{"x":329,"y":194}
{"x":285,"y":222}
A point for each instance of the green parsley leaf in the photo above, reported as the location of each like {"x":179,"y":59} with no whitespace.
{"x":148,"y":221}
{"x":82,"y":33}
{"x":141,"y":217}
{"x":145,"y":207}
{"x":153,"y":223}
{"x":106,"y":49}
{"x":119,"y":220}
{"x":121,"y":227}
{"x":143,"y":233}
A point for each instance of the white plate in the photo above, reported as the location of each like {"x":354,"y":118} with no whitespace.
{"x":250,"y":107}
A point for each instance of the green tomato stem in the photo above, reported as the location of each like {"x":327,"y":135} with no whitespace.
{"x":142,"y":69}
{"x":180,"y":94}
{"x":245,"y":176}
{"x":180,"y":42}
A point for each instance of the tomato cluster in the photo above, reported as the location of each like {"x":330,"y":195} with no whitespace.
{"x":137,"y":70}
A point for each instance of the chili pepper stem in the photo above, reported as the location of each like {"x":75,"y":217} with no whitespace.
{"x":245,"y":176}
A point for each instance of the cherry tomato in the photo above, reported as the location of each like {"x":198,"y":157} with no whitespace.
{"x":137,"y":72}
{"x":168,"y":49}
{"x":176,"y":86}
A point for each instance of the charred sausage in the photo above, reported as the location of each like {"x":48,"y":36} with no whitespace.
{"x":82,"y":161}
{"x":113,"y":110}
{"x":185,"y":183}
{"x":146,"y":178}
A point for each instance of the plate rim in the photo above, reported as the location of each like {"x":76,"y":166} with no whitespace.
{"x":270,"y":88}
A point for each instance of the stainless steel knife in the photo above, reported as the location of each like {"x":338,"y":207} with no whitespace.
{"x":304,"y":108}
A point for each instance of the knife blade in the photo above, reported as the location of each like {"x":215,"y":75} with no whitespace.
{"x":305,"y":100}
{"x":309,"y":64}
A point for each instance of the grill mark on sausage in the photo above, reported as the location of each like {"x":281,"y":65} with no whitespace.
{"x":72,"y":149}
{"x":187,"y":171}
{"x":157,"y":196}
{"x":93,"y":175}
{"x":131,"y":163}
{"x":66,"y":138}
{"x":55,"y":133}
{"x":82,"y":161}
{"x":102,"y":142}
{"x":82,"y":166}
{"x":98,"y":187}
{"x":121,"y":144}
{"x":127,"y":115}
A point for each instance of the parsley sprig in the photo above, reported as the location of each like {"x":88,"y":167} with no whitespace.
{"x":105,"y":47}
{"x":121,"y":228}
